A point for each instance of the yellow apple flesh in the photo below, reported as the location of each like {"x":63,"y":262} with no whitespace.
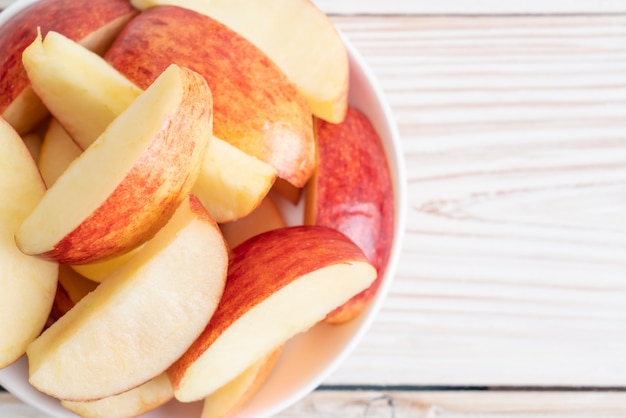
{"x":123,"y":188}
{"x":28,"y":284}
{"x":279,"y":283}
{"x":264,"y":218}
{"x":136,"y":323}
{"x":257,"y":109}
{"x":58,"y":150}
{"x":312,"y":55}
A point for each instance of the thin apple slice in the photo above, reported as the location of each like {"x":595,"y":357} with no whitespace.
{"x":313,"y":55}
{"x":58,"y":150}
{"x":25,"y":281}
{"x":100,"y":270}
{"x":136,"y":323}
{"x":352,"y":192}
{"x":124,"y":187}
{"x":264,"y":218}
{"x":75,"y":285}
{"x":93,"y":24}
{"x":132,"y":403}
{"x":279,"y":283}
{"x":230,"y":398}
{"x":232,"y":183}
{"x":257,"y":109}
{"x":78,"y":80}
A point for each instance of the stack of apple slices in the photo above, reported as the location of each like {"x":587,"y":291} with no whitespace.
{"x":144,"y":223}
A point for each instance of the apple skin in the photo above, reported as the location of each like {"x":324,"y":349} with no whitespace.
{"x":93,"y":24}
{"x":256,"y":108}
{"x":353,"y":193}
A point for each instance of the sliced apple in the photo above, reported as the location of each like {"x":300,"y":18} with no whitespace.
{"x":100,"y":270}
{"x":279,"y":283}
{"x":132,"y":403}
{"x":136,"y":323}
{"x":257,"y":109}
{"x":75,"y":285}
{"x":264,"y":218}
{"x":126,"y":185}
{"x":33,"y":141}
{"x":230,"y":398}
{"x":58,"y":150}
{"x":230,"y":184}
{"x":93,"y":24}
{"x":352,"y":192}
{"x":67,"y":76}
{"x":25,"y":281}
{"x":312,"y":55}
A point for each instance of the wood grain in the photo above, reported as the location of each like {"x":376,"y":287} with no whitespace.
{"x":514,"y":263}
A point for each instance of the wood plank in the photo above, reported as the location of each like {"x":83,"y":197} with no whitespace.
{"x":514,"y":263}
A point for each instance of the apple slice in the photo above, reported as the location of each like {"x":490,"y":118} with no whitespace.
{"x":352,"y":192}
{"x":313,"y":55}
{"x":67,"y":76}
{"x":125,"y":186}
{"x":25,"y":281}
{"x":75,"y":285}
{"x":58,"y":150}
{"x":130,"y":328}
{"x":257,"y":109}
{"x":93,"y":24}
{"x":264,"y":218}
{"x":135,"y":402}
{"x":230,"y":398}
{"x":230,"y":184}
{"x":100,"y":270}
{"x":279,"y":283}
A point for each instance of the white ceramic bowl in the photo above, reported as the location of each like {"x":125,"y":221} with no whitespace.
{"x":310,"y":357}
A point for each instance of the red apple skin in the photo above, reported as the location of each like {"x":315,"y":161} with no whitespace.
{"x":256,"y":108}
{"x":132,"y":214}
{"x":262,"y":265}
{"x":353,"y":193}
{"x":75,"y":19}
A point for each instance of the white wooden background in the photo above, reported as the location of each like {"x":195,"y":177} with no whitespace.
{"x":510,"y":295}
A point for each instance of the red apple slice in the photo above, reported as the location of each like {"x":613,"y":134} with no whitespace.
{"x":125,"y":186}
{"x":136,"y":323}
{"x":352,"y":192}
{"x":257,"y":109}
{"x":132,"y":403}
{"x":279,"y":283}
{"x":313,"y":55}
{"x":93,"y":24}
{"x":28,"y":283}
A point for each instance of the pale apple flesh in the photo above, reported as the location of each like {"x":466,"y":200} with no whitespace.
{"x":352,"y":192}
{"x":95,"y":29}
{"x":140,"y":400}
{"x":26,"y":281}
{"x":230,"y":398}
{"x":256,"y":108}
{"x":125,"y":186}
{"x":139,"y":321}
{"x":312,"y":56}
{"x":280,"y":283}
{"x":69,"y":78}
{"x":264,"y":218}
{"x":57,"y":151}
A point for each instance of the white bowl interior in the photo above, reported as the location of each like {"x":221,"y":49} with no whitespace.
{"x":311,"y":357}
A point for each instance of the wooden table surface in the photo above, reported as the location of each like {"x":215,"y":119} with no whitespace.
{"x":510,"y":294}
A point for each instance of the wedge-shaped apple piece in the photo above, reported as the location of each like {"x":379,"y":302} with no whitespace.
{"x":313,"y":55}
{"x":58,"y":150}
{"x":101,"y":270}
{"x":352,"y":192}
{"x":257,"y":109}
{"x":93,"y":24}
{"x":138,"y":322}
{"x":132,"y":403}
{"x":27,"y":284}
{"x":67,"y":77}
{"x":75,"y":285}
{"x":264,"y":218}
{"x":230,"y":398}
{"x":125,"y":186}
{"x":279,"y":283}
{"x":230,"y":184}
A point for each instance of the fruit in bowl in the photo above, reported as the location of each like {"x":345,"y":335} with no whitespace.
{"x":217,"y":164}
